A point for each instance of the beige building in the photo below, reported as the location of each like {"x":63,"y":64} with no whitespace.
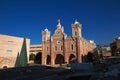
{"x":35,"y":48}
{"x":10,"y":46}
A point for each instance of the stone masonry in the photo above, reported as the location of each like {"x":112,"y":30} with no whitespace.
{"x":60,"y":48}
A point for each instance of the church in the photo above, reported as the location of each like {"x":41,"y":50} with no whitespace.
{"x":61,"y":49}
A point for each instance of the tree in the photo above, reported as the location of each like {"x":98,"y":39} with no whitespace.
{"x":32,"y":56}
{"x":23,"y":55}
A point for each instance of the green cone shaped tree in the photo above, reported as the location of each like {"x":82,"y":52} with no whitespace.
{"x":23,"y":55}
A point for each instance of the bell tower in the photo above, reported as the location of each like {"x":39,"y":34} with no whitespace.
{"x":76,"y":29}
{"x":45,"y":35}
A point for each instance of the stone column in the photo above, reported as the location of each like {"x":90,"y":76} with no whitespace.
{"x":52,"y":59}
{"x":43,"y":55}
{"x":43,"y":59}
{"x":66,"y":58}
{"x":79,"y":47}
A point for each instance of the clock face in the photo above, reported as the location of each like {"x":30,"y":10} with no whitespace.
{"x":58,"y":31}
{"x":58,"y":42}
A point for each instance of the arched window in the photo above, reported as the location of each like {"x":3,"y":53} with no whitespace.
{"x":61,"y":47}
{"x":47,"y":48}
{"x":75,"y":33}
{"x":72,"y":47}
{"x":55,"y":48}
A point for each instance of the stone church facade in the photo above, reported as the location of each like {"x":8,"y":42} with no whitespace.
{"x":60,"y":48}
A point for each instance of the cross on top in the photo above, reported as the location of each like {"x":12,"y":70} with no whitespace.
{"x":58,"y":21}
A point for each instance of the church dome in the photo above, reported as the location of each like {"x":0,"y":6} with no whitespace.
{"x":76,"y":22}
{"x":46,"y":29}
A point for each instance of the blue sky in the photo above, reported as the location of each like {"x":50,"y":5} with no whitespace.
{"x":100,"y":19}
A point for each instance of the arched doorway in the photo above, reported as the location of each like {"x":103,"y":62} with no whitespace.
{"x":48,"y":59}
{"x":5,"y":63}
{"x":38,"y":58}
{"x":72,"y":58}
{"x":90,"y":57}
{"x":84,"y":58}
{"x":59,"y":59}
{"x":32,"y":56}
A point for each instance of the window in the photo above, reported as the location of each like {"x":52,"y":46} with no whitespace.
{"x":61,"y":47}
{"x":46,"y":48}
{"x":75,"y":33}
{"x":55,"y":48}
{"x":72,"y":47}
{"x":10,"y":42}
{"x":9,"y":51}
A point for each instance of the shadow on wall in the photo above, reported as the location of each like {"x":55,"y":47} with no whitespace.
{"x":17,"y":61}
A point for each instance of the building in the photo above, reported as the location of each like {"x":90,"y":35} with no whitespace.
{"x":104,"y":50}
{"x":115,"y":47}
{"x":35,"y":48}
{"x":10,"y":47}
{"x":35,"y":53}
{"x":60,"y":48}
